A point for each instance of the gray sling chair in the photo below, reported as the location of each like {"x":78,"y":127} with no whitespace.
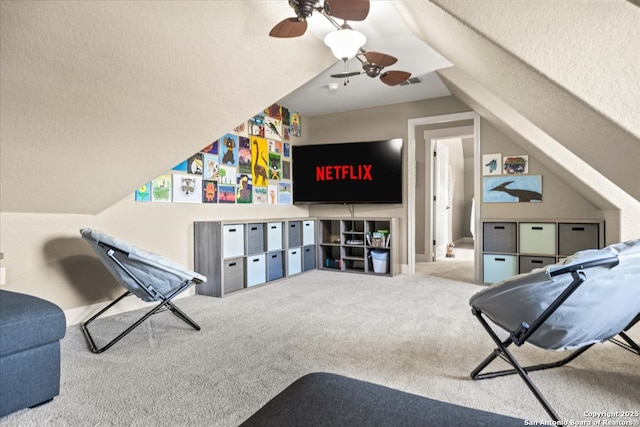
{"x":149,"y":276}
{"x":590,"y":297}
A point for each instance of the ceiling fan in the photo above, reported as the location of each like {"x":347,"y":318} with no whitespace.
{"x":348,"y":10}
{"x":373,"y":64}
{"x":353,"y":10}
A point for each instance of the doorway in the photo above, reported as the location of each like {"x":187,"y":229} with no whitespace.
{"x":420,"y":228}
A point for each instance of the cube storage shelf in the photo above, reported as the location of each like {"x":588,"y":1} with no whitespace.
{"x":348,"y":245}
{"x":513,"y":247}
{"x":238,"y":255}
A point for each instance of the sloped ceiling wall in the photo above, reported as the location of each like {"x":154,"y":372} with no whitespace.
{"x":97,"y":98}
{"x":571,"y":68}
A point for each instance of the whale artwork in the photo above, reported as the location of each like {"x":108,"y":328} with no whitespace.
{"x":512,"y":189}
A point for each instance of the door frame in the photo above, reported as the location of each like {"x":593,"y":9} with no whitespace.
{"x":411,"y":177}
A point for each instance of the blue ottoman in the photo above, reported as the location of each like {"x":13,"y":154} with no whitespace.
{"x":30,"y":333}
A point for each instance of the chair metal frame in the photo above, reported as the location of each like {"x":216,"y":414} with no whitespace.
{"x":165,"y":300}
{"x":520,"y":335}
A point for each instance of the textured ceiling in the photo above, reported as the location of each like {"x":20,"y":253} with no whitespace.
{"x":386,"y":32}
{"x":99,"y":97}
{"x":604,"y":141}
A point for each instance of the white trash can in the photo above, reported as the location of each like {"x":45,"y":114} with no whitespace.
{"x":380,"y":261}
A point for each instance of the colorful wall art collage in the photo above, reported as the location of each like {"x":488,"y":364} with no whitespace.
{"x":506,"y":179}
{"x":251,"y":164}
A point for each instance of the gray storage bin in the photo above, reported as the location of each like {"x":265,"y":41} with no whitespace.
{"x":528,"y":263}
{"x":275,"y":265}
{"x":295,"y":234}
{"x":233,"y":274}
{"x":309,"y":258}
{"x":574,"y":237}
{"x":255,"y":238}
{"x":499,"y":237}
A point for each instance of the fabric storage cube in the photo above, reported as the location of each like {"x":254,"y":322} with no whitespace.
{"x":233,"y":274}
{"x":574,"y":237}
{"x":275,"y":265}
{"x":274,"y":236}
{"x":499,"y":237}
{"x":294,"y":261}
{"x":498,"y":267}
{"x":232,"y":240}
{"x":308,"y":232}
{"x":537,"y":238}
{"x":295,"y":234}
{"x":527,"y":263}
{"x":256,"y":270}
{"x":255,"y":238}
{"x":309,"y":258}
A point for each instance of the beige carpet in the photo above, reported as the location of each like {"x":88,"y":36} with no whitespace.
{"x":413,"y":333}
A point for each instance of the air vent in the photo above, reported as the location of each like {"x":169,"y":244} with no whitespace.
{"x":411,"y":81}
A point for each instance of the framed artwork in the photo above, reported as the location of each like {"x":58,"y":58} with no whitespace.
{"x":512,"y":189}
{"x":260,"y":195}
{"x":244,"y":155}
{"x":242,"y":129}
{"x":244,"y":188}
{"x":227,"y":175}
{"x":229,"y":150}
{"x":286,"y":169}
{"x":286,"y":133}
{"x":211,"y":167}
{"x":259,"y":161}
{"x":272,"y":193}
{"x":285,"y":193}
{"x":275,"y":168}
{"x":492,"y":164}
{"x":181,"y":167}
{"x":226,"y":193}
{"x":211,"y":148}
{"x":161,"y":188}
{"x":209,"y":191}
{"x":143,"y":193}
{"x":187,"y":188}
{"x":256,"y":125}
{"x":273,"y":128}
{"x":295,"y":128}
{"x":194,"y":164}
{"x":275,"y":146}
{"x":274,"y":111}
{"x":514,"y":165}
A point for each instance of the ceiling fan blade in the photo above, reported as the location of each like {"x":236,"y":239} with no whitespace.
{"x":380,"y":59}
{"x":290,"y":27}
{"x":393,"y":78}
{"x":349,"y":10}
{"x":345,"y":75}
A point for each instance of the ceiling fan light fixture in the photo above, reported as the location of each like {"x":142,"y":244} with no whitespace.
{"x":345,"y":43}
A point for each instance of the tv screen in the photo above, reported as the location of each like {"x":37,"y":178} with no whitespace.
{"x":356,"y":172}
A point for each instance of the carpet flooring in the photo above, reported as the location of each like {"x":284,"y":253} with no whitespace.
{"x":413,"y":333}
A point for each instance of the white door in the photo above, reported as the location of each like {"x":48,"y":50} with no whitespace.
{"x":441,"y":203}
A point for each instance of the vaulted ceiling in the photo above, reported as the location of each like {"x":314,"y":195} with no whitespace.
{"x":97,"y":97}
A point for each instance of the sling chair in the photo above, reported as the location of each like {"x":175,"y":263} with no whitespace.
{"x":149,"y":276}
{"x":590,"y":297}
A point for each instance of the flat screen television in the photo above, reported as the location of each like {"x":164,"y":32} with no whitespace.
{"x":355,"y":172}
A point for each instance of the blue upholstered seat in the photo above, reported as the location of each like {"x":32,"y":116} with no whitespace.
{"x":30,"y":333}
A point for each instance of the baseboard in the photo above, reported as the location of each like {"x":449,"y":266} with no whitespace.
{"x":464,"y":240}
